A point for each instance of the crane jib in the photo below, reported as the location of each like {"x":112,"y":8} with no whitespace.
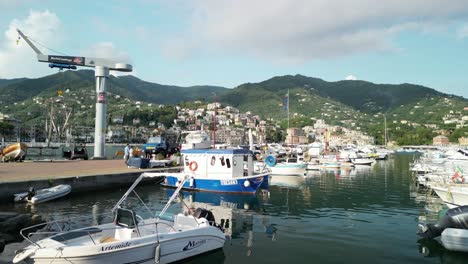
{"x":67,"y":60}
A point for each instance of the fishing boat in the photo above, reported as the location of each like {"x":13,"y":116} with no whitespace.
{"x":15,"y":151}
{"x":128,"y":239}
{"x":451,"y":231}
{"x":43,"y":195}
{"x":217,"y":170}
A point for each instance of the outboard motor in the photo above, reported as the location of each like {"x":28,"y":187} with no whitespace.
{"x":31,"y":192}
{"x":453,"y":218}
{"x":207,"y":214}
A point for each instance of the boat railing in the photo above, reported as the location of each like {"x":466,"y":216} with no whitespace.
{"x":61,"y":232}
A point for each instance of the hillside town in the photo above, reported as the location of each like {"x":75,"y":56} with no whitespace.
{"x":232,"y":126}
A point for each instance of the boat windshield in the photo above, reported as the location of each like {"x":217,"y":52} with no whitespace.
{"x":154,"y":140}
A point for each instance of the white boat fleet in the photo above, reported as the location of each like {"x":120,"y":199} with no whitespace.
{"x":130,"y":238}
{"x":444,"y":173}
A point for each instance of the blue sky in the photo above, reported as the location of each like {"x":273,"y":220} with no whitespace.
{"x":227,"y":43}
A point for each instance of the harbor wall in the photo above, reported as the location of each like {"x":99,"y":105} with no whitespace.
{"x":78,"y":183}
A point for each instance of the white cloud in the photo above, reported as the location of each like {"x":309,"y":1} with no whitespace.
{"x":304,"y":30}
{"x":20,"y":60}
{"x":463,"y":32}
{"x":351,"y":78}
{"x":107,"y":50}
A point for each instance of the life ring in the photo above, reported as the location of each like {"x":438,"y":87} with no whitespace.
{"x":193,"y":166}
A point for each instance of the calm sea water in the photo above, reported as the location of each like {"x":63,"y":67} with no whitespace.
{"x":365,"y":215}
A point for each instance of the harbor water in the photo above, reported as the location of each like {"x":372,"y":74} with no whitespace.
{"x":368,"y":214}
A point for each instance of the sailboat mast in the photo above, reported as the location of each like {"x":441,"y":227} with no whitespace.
{"x":385,"y":130}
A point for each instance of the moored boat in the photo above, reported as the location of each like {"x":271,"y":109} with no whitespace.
{"x":128,"y":239}
{"x":292,"y":166}
{"x":217,"y":170}
{"x":451,"y":230}
{"x":15,"y":151}
{"x":43,"y":195}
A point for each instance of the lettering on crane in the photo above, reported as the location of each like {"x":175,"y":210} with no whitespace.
{"x":67,"y":59}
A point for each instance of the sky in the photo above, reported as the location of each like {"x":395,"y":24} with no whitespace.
{"x":228,"y":43}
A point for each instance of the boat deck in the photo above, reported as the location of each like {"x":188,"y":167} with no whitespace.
{"x":46,"y":170}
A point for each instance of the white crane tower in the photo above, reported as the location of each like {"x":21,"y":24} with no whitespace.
{"x":102,"y":67}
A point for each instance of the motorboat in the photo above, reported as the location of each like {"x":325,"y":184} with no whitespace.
{"x":43,"y":195}
{"x":197,"y":139}
{"x":362,"y":161}
{"x":292,"y":166}
{"x":128,"y":239}
{"x":451,"y":230}
{"x":15,"y":151}
{"x":217,"y":170}
{"x":453,"y":195}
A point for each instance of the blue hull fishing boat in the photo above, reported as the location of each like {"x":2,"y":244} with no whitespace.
{"x":220,"y":171}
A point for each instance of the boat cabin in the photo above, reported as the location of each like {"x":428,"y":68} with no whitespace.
{"x":215,"y":163}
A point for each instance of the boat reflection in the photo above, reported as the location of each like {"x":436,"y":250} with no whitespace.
{"x":287,"y":181}
{"x":430,"y":248}
{"x":241,"y":216}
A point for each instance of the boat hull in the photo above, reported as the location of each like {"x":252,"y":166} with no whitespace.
{"x":455,"y":239}
{"x":15,"y":151}
{"x":123,"y":252}
{"x":235,"y":185}
{"x":288,"y":169}
{"x":453,"y":197}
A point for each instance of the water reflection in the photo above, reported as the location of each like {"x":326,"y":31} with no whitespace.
{"x":241,"y":216}
{"x":363,"y":215}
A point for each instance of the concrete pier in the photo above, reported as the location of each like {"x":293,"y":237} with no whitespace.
{"x":81,"y":175}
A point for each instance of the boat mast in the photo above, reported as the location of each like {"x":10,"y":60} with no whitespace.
{"x":214,"y":123}
{"x":385,"y":130}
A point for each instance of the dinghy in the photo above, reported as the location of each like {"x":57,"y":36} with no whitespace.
{"x":451,"y":230}
{"x":129,"y":238}
{"x":43,"y":195}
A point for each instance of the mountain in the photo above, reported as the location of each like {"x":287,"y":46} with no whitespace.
{"x":5,"y":82}
{"x":360,"y":95}
{"x":127,"y":86}
{"x":357,"y":104}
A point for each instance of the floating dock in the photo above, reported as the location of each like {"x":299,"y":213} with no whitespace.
{"x":82,"y":175}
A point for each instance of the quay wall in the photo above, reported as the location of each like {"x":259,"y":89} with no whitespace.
{"x":78,"y":183}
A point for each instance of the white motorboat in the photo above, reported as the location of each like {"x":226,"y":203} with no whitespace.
{"x":129,"y":239}
{"x":362,"y":161}
{"x":198,"y":139}
{"x":453,"y":195}
{"x":43,"y":195}
{"x":291,"y":167}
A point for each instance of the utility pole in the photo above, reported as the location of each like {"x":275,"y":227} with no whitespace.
{"x":102,"y":67}
{"x":214,"y":123}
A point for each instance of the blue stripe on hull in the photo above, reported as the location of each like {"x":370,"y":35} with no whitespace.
{"x":224,"y":186}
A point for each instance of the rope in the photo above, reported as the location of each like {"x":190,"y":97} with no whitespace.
{"x":44,"y":46}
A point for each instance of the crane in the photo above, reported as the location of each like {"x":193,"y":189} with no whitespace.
{"x":102,"y":67}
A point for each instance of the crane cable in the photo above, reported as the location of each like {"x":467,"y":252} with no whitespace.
{"x":42,"y":45}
